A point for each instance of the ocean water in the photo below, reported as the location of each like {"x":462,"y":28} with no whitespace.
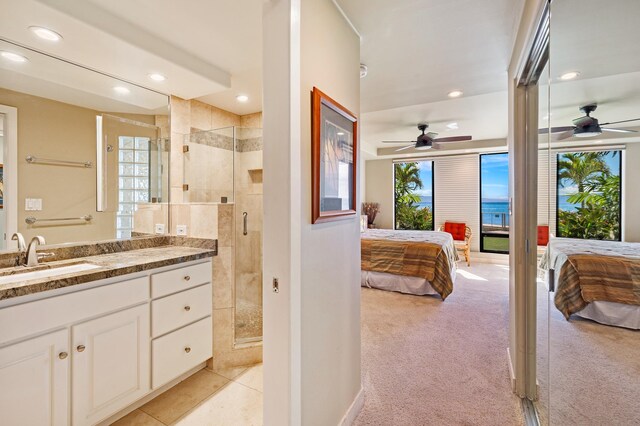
{"x":493,"y":211}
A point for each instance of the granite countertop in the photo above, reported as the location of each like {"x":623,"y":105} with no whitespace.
{"x":113,"y":263}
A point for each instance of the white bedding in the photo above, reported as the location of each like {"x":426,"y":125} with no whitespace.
{"x":399,"y":283}
{"x":609,"y":313}
{"x":406,"y":284}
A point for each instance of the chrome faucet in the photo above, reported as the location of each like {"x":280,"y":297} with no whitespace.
{"x":22,"y":246}
{"x":32,"y":255}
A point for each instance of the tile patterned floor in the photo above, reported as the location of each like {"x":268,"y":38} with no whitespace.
{"x":228,"y":397}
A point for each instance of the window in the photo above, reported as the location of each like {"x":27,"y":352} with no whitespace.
{"x":589,"y":195}
{"x":494,"y":203}
{"x":413,"y":187}
{"x":133,"y":181}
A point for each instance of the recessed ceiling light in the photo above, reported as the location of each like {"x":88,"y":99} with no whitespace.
{"x":452,"y":126}
{"x":242,"y":98}
{"x":46,"y":33}
{"x":157,"y":77}
{"x":121,"y":90}
{"x":569,"y":75}
{"x":455,"y":94}
{"x":13,"y":56}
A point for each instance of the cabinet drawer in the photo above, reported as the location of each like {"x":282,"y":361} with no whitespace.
{"x":175,"y":280}
{"x":33,"y":317}
{"x":180,"y":351}
{"x":174,"y":311}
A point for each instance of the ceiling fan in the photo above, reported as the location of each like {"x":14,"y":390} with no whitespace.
{"x":587,"y":126}
{"x":428,"y":140}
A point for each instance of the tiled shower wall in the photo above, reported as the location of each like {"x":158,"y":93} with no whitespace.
{"x":206,"y":217}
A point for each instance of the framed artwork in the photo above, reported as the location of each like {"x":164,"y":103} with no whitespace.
{"x":334,"y":139}
{"x":1,"y":186}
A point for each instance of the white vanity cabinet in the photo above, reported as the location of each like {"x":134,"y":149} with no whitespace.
{"x":82,"y":356}
{"x":110,"y":363}
{"x":34,"y":378}
{"x":181,"y":324}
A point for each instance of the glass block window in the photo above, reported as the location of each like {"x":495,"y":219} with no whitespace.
{"x":133,"y":181}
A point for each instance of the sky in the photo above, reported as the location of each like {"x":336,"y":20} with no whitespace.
{"x":612,"y":160}
{"x":495,"y":176}
{"x":494,"y":169}
{"x":426,"y":175}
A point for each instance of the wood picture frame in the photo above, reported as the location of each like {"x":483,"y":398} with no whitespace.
{"x":1,"y":186}
{"x":334,"y":159}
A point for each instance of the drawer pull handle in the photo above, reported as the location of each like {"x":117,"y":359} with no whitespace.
{"x":187,"y":308}
{"x":63,"y":355}
{"x":187,"y":349}
{"x":187,"y":277}
{"x":80,"y":348}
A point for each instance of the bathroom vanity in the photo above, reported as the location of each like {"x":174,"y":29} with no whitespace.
{"x":86,"y":337}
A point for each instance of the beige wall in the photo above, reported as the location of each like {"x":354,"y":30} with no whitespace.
{"x":312,"y":324}
{"x":56,"y":130}
{"x":379,"y":178}
{"x":330,"y":252}
{"x":51,"y":129}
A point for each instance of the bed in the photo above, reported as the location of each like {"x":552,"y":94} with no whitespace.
{"x":597,"y":280}
{"x":413,"y":262}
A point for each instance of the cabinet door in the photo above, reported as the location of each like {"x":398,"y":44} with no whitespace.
{"x":110,"y":361}
{"x":34,"y":378}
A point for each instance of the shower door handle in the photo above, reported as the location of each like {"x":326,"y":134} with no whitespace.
{"x":244,"y":223}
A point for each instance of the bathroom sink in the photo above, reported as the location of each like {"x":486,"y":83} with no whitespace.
{"x":30,"y":274}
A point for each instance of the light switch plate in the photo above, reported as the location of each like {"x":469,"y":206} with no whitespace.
{"x":33,"y":204}
{"x":159,"y":228}
{"x":181,"y":230}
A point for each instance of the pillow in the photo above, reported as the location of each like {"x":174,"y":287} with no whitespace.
{"x":457,"y":230}
{"x":543,"y":235}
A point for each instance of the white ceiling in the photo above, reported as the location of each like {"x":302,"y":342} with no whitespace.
{"x":418,"y":51}
{"x":212,"y":48}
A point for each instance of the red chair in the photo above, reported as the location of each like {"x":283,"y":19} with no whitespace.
{"x":543,"y":235}
{"x":461,"y":234}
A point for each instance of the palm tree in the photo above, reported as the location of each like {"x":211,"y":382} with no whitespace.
{"x":407,"y":213}
{"x":579,"y":168}
{"x":407,"y":180}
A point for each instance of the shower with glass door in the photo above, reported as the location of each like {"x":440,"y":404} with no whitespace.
{"x":248,"y":238}
{"x":223,"y":173}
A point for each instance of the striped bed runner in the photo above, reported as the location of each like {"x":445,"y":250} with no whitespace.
{"x":409,"y":258}
{"x":585,"y":278}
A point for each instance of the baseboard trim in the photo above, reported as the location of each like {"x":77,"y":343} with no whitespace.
{"x":354,"y":409}
{"x":512,"y":375}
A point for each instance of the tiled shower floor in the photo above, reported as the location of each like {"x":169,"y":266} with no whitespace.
{"x":248,"y":320}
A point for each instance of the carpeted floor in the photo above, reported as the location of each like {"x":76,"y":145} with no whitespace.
{"x":589,"y":374}
{"x":428,"y":362}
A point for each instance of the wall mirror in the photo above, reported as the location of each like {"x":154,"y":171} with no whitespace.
{"x":85,"y":156}
{"x":592,"y":175}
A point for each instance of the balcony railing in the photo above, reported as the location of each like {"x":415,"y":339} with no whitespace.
{"x":495,"y":222}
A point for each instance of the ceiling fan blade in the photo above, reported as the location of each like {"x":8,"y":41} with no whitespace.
{"x":453,"y":139}
{"x":405,"y":147}
{"x":431,"y":135}
{"x":545,"y":130}
{"x":564,"y":135}
{"x":398,"y":141}
{"x":618,"y":130}
{"x":621,"y":121}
